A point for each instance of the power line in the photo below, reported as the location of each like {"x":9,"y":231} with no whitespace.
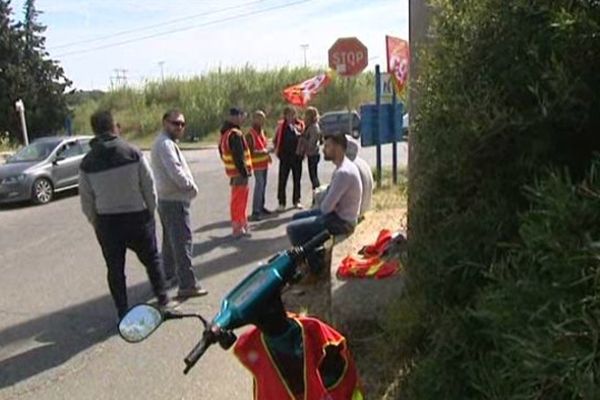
{"x":157,"y":25}
{"x":251,"y":13}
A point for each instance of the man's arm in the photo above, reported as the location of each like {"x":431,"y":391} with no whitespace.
{"x":169,"y":160}
{"x":147,"y":185}
{"x":87,"y":198}
{"x":250,"y":141}
{"x":236,"y":145}
{"x":337,"y":189}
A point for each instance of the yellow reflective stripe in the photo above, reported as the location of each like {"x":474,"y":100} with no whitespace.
{"x":373,"y":270}
{"x":357,"y":395}
{"x":260,"y":157}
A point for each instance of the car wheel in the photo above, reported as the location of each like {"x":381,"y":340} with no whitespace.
{"x":42,"y":191}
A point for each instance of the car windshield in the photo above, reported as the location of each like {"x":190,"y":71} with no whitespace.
{"x":34,"y":152}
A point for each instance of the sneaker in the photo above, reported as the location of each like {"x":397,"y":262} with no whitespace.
{"x":281,"y":208}
{"x":167,"y":304}
{"x":254,"y":218}
{"x":264,"y":211}
{"x":191,"y":292}
{"x":298,"y":206}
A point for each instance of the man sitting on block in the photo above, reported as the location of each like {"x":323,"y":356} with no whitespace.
{"x":339,"y":210}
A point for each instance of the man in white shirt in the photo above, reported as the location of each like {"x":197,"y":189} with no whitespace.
{"x":176,"y":188}
{"x":339,"y":210}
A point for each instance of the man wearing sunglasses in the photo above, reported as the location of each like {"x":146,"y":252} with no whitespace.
{"x":176,"y":188}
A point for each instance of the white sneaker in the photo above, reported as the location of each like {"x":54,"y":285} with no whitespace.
{"x":298,"y":206}
{"x":281,"y":208}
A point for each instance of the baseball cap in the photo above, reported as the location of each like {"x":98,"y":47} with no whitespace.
{"x":235,"y":111}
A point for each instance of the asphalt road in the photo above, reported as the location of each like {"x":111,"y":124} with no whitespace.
{"x":57,"y":328}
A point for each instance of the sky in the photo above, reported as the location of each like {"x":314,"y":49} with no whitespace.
{"x":92,"y":38}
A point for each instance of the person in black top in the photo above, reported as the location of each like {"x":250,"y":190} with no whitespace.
{"x":289,"y":130}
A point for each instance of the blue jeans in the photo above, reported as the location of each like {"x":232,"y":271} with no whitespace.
{"x":177,"y":242}
{"x":307,"y":224}
{"x":260,"y":186}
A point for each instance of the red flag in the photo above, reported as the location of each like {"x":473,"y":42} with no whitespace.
{"x":398,"y":60}
{"x":302,"y":93}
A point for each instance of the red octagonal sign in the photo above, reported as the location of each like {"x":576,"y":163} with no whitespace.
{"x":348,"y":56}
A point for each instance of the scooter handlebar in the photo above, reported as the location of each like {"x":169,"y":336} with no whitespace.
{"x":198,"y":351}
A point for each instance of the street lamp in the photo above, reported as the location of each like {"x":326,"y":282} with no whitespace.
{"x":304,"y":48}
{"x":20,"y":107}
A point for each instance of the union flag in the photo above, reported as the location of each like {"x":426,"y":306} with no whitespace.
{"x":398,"y":60}
{"x":302,"y":93}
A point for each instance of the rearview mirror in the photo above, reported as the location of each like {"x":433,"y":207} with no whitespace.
{"x":59,"y":158}
{"x":139,"y":323}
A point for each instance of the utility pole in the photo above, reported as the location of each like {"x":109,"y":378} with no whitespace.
{"x":304,"y":48}
{"x":419,"y":16}
{"x":120,"y":78}
{"x":162,"y":71}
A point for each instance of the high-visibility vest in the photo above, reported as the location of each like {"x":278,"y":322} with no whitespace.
{"x":260,"y":154}
{"x":269,"y":384}
{"x":227,"y":157}
{"x":281,"y":124}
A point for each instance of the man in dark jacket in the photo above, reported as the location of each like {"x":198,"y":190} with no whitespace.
{"x":118,"y":198}
{"x":235,"y":154}
{"x":289,"y":129}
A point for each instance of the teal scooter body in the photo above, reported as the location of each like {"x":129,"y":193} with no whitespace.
{"x":242,"y":303}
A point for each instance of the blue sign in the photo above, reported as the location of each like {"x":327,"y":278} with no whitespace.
{"x":380,"y":124}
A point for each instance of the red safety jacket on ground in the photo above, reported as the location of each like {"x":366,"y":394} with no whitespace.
{"x":228,"y":157}
{"x":252,"y":351}
{"x":373,"y":263}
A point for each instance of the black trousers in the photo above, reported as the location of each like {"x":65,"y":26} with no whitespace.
{"x":136,"y":231}
{"x":287,"y":164}
{"x":313,"y":162}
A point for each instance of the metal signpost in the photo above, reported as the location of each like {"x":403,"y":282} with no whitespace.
{"x":20,"y":107}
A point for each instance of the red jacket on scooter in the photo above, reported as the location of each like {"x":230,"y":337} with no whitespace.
{"x":326,"y":370}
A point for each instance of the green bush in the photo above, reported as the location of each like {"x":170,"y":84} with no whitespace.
{"x":508,"y":90}
{"x":205,"y":99}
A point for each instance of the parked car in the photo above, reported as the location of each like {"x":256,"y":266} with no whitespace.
{"x":337,"y":122}
{"x":46,"y":166}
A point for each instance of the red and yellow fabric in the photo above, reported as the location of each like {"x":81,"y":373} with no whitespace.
{"x":302,"y":93}
{"x":370,"y":265}
{"x":279,"y":132}
{"x":398,"y":61}
{"x":269,"y":384}
{"x":259,"y":154}
{"x":227,"y":156}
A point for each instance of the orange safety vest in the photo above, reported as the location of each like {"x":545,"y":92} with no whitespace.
{"x":279,"y":132}
{"x":227,"y":157}
{"x":260,"y":154}
{"x":269,"y":384}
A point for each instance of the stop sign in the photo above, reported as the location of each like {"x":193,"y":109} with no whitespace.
{"x":348,"y":56}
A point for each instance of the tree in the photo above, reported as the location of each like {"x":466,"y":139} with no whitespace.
{"x":10,"y":68}
{"x":30,"y":74}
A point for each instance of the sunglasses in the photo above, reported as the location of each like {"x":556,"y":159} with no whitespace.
{"x":177,"y":123}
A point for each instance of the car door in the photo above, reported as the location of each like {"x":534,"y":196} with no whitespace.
{"x":65,"y":168}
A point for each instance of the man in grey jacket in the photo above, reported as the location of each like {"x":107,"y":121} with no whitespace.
{"x":176,"y":189}
{"x":118,"y":198}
